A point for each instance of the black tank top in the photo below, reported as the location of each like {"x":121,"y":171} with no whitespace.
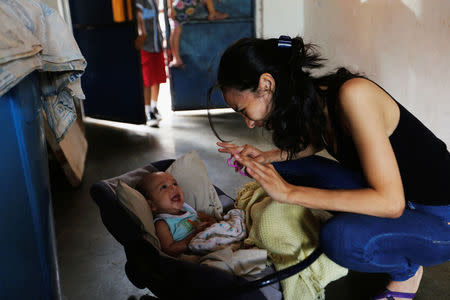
{"x":422,"y":158}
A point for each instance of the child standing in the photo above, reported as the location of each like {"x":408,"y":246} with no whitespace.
{"x":149,"y":42}
{"x":181,"y":12}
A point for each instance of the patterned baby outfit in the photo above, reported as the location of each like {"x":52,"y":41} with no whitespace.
{"x":218,"y":235}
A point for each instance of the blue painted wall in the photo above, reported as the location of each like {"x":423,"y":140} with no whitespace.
{"x":201,"y":45}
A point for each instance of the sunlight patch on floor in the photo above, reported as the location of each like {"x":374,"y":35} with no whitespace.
{"x":138,"y":129}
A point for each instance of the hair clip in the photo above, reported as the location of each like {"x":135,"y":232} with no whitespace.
{"x":284,"y":41}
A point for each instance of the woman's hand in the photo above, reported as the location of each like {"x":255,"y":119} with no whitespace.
{"x":244,"y":151}
{"x":269,"y":179}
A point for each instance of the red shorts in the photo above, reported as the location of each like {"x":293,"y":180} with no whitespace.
{"x":153,"y":68}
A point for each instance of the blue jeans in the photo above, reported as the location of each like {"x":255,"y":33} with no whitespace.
{"x":421,"y":236}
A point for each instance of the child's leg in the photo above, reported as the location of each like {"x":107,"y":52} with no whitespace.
{"x":147,"y":95}
{"x":147,"y":100}
{"x":212,"y":13}
{"x":175,"y":46}
{"x":154,"y":93}
{"x":154,"y":100}
{"x":210,"y":6}
{"x":146,"y":82}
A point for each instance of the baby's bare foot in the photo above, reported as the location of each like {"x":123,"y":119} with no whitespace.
{"x":408,"y":286}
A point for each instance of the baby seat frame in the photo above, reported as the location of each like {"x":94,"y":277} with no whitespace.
{"x":169,"y":278}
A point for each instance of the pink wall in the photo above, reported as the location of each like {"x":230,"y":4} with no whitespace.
{"x":402,"y":45}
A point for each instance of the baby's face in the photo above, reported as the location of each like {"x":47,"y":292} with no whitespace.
{"x":166,"y":195}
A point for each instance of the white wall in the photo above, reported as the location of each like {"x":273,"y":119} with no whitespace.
{"x":404,"y":45}
{"x":277,"y":17}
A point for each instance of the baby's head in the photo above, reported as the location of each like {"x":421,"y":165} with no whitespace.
{"x":162,"y":192}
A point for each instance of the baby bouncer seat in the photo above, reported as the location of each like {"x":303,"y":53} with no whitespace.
{"x":164,"y":276}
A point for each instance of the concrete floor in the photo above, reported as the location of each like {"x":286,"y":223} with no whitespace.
{"x":92,"y":263}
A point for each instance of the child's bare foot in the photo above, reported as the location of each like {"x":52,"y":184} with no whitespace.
{"x":408,"y":286}
{"x":176,"y":63}
{"x":217,"y":16}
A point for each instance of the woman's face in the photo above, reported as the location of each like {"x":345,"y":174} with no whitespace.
{"x":254,"y":107}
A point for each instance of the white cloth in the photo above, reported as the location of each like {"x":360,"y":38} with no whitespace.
{"x":35,"y":37}
{"x":218,"y":235}
{"x":240,"y":262}
{"x":190,"y":172}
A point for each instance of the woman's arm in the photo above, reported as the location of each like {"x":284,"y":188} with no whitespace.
{"x":264,"y":157}
{"x":276,"y":155}
{"x":362,"y":107}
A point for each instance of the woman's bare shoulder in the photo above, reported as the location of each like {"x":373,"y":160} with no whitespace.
{"x":361,"y":91}
{"x":357,"y":87}
{"x":362,"y":96}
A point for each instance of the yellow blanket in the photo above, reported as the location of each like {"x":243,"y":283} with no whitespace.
{"x":290,"y":234}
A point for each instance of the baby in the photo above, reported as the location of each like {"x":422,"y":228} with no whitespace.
{"x":176,"y":222}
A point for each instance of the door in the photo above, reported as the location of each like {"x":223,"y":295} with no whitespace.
{"x":201,"y":45}
{"x":112,"y":82}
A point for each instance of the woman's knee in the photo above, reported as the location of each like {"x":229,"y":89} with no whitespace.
{"x":341,"y":237}
{"x":330,"y":238}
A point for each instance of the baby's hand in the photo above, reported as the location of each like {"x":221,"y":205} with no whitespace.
{"x":202,"y":226}
{"x":212,"y":221}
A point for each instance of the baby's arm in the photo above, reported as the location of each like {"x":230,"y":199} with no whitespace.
{"x":206,"y":218}
{"x":168,"y":245}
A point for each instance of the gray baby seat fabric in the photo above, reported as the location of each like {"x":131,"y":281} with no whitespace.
{"x":147,"y":266}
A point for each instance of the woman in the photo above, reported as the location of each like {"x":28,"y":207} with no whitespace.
{"x":391,"y":183}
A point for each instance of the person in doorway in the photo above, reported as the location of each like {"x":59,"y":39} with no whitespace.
{"x":181,"y":11}
{"x":389,"y":188}
{"x":149,"y":42}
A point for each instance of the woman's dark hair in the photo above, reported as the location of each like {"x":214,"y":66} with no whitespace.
{"x":297,"y":115}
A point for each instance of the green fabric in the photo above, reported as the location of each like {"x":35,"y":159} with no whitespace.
{"x":289,"y":233}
